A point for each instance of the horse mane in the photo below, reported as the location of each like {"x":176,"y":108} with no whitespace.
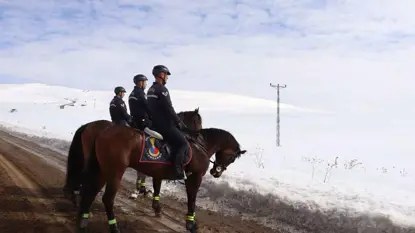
{"x":221,"y":134}
{"x":195,"y":138}
{"x":192,"y":112}
{"x":192,"y":135}
{"x":199,"y":117}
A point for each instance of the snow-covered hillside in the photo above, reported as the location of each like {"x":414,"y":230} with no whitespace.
{"x":369,"y":176}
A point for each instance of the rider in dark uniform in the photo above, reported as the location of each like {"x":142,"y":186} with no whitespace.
{"x":164,"y":118}
{"x":137,"y":102}
{"x":118,"y":110}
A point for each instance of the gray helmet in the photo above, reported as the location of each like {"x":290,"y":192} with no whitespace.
{"x":160,"y":69}
{"x":118,"y":90}
{"x":139,"y":77}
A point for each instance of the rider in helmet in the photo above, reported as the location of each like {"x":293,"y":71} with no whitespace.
{"x":164,"y":117}
{"x":137,"y":102}
{"x":118,"y":110}
{"x":140,"y":113}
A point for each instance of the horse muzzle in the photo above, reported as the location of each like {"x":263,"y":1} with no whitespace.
{"x":216,"y":172}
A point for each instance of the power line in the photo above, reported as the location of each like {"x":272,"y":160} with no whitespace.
{"x":277,"y":87}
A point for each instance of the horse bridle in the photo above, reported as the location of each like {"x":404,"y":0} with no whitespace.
{"x":221,"y":167}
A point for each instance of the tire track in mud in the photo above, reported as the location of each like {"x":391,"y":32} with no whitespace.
{"x":30,"y":192}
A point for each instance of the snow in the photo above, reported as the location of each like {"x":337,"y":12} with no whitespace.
{"x":383,"y":184}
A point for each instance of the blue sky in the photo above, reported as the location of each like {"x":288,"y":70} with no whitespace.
{"x":337,"y":53}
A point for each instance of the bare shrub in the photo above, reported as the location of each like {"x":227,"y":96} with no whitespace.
{"x":349,"y":165}
{"x":314,"y":164}
{"x":403,"y":172}
{"x":330,"y":167}
{"x":258,"y":157}
{"x":383,"y":170}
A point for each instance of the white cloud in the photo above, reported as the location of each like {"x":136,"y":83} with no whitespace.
{"x":347,"y":55}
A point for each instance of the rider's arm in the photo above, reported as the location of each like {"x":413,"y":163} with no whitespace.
{"x":164,"y":96}
{"x":144,"y":103}
{"x":132,"y":103}
{"x":113,"y":109}
{"x":121,"y":106}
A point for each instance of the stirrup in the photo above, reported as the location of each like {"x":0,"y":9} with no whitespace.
{"x":153,"y":133}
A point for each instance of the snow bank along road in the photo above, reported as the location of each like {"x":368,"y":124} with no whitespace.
{"x":31,"y":200}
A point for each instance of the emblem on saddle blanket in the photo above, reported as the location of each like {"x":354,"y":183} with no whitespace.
{"x":154,"y":149}
{"x":157,"y":151}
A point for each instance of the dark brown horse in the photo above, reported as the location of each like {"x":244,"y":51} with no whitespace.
{"x":119,"y":147}
{"x":83,"y":139}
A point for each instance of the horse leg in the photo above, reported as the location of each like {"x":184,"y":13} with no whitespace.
{"x":156,"y":196}
{"x":140,"y":186}
{"x":76,"y":196}
{"x":141,"y":183}
{"x":108,"y":199}
{"x":192,"y":187}
{"x":89,"y":190}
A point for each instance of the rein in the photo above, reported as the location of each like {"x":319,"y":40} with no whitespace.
{"x":223,"y":167}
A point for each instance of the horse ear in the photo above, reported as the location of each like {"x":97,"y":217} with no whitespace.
{"x":197,"y":110}
{"x":242,"y":152}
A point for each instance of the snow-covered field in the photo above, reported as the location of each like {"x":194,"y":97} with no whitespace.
{"x":374,"y":173}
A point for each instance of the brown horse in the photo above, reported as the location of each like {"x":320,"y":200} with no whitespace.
{"x":119,"y":147}
{"x":83,"y":139}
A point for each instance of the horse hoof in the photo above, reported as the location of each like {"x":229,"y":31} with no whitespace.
{"x":157,"y":212}
{"x":156,"y":207}
{"x":191,"y":226}
{"x":158,"y":215}
{"x":114,"y":229}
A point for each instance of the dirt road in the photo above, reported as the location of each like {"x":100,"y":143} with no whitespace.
{"x":31,"y":200}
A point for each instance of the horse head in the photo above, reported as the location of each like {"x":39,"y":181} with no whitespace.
{"x":224,"y":158}
{"x":226,"y":149}
{"x":191,"y":119}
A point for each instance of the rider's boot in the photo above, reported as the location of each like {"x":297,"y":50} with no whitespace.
{"x":142,"y":190}
{"x":178,"y":163}
{"x":140,"y":187}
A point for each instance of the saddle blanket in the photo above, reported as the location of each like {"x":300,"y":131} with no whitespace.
{"x":158,"y":151}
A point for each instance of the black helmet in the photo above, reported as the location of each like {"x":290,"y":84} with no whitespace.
{"x":159,"y":69}
{"x":117,"y":90}
{"x":139,"y":77}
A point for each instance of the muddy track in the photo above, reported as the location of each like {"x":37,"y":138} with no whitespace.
{"x":31,"y":200}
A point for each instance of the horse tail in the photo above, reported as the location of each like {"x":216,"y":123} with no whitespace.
{"x":93,"y":164}
{"x":75,"y":161}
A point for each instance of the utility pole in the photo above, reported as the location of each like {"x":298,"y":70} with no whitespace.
{"x":278,"y":86}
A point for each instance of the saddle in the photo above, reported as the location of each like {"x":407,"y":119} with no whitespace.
{"x":153,"y":133}
{"x":156,"y":150}
{"x":189,"y":135}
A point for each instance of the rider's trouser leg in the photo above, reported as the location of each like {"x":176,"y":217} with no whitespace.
{"x":179,"y":144}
